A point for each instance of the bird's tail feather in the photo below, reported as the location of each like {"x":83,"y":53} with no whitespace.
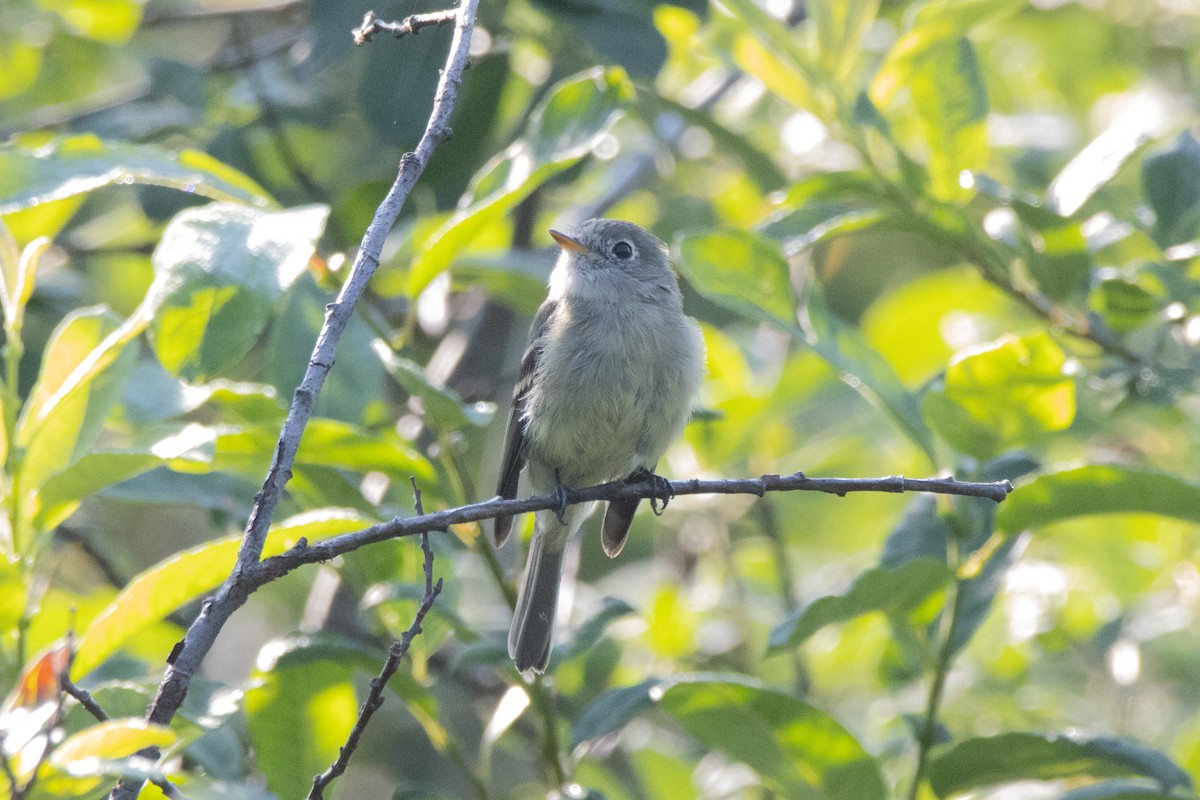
{"x":529,"y":638}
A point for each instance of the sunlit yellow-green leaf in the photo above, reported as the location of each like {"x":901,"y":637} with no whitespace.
{"x":297,"y":719}
{"x":108,"y":21}
{"x":112,"y":739}
{"x":182,"y":578}
{"x":1008,"y":392}
{"x":841,"y":25}
{"x":561,"y":130}
{"x":671,"y":625}
{"x":951,"y":102}
{"x":20,"y":63}
{"x":75,"y":165}
{"x":74,"y":392}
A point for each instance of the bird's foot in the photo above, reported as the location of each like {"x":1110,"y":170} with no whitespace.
{"x":562,"y":494}
{"x":662,"y":491}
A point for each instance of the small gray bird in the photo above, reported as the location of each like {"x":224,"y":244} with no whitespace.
{"x":606,"y":384}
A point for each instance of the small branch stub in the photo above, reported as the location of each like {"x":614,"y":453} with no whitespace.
{"x":411,"y":24}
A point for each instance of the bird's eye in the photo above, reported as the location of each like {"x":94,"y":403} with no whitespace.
{"x":622,"y":250}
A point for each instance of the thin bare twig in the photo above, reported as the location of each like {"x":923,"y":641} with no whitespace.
{"x":395,"y":654}
{"x":411,"y":24}
{"x":233,"y":593}
{"x":84,"y":698}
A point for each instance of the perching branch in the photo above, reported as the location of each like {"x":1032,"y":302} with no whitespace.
{"x":275,"y":567}
{"x":411,"y":24}
{"x":186,"y":657}
{"x":397,"y":652}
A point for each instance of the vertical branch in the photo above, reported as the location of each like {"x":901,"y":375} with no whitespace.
{"x":188,"y":654}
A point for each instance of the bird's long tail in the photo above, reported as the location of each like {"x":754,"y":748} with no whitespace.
{"x":529,"y":638}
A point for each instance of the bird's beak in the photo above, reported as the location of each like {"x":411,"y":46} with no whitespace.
{"x":567,"y":243}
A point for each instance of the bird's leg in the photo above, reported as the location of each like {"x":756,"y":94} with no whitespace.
{"x":561,"y":496}
{"x":662,"y":491}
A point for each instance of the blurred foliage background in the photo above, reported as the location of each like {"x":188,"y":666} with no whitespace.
{"x":954,"y":236}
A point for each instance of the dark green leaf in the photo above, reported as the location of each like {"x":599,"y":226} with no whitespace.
{"x":1010,"y":757}
{"x":892,"y":591}
{"x":591,"y":630}
{"x":611,"y":711}
{"x":1122,"y":303}
{"x":1097,"y":489}
{"x":220,"y":272}
{"x":975,"y":595}
{"x":921,"y":533}
{"x":620,"y":31}
{"x":359,"y":378}
{"x":797,"y":750}
{"x":79,"y":164}
{"x":1171,"y":180}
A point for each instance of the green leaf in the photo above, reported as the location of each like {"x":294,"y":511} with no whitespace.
{"x":933,"y":24}
{"x":1007,"y":392}
{"x":797,"y":750}
{"x":845,"y":349}
{"x":951,"y":101}
{"x":892,"y":591}
{"x":60,"y":494}
{"x":297,"y":719}
{"x":590,"y":631}
{"x":1122,"y":790}
{"x":108,"y":21}
{"x":358,"y":380}
{"x":741,"y":271}
{"x":83,"y":368}
{"x":773,"y":35}
{"x":186,"y":576}
{"x":220,"y":273}
{"x":1097,"y":489}
{"x":1095,"y":166}
{"x":975,"y":595}
{"x":1016,"y":756}
{"x":1171,"y":180}
{"x":20,"y":64}
{"x":91,"y":757}
{"x":76,"y":165}
{"x":326,"y":443}
{"x":1123,"y":303}
{"x":612,"y":711}
{"x":621,"y":32}
{"x":442,"y":406}
{"x":562,"y":130}
{"x":841,"y":25}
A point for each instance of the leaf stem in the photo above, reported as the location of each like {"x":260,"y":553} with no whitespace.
{"x":926,"y":736}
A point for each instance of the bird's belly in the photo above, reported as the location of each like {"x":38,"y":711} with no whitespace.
{"x":588,"y":431}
